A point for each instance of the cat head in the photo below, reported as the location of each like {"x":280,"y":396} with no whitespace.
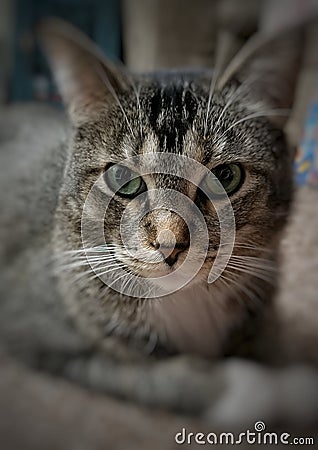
{"x":143,"y":148}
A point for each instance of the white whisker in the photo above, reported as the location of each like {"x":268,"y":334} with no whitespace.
{"x":222,"y":52}
{"x":267,"y":264}
{"x":108,"y":84}
{"x":248,"y":246}
{"x":265,"y":113}
{"x":242,"y":89}
{"x":250,"y":294}
{"x":105,"y":272}
{"x":250,"y":271}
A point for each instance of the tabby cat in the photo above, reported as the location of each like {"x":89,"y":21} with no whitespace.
{"x":230,"y":123}
{"x":231,"y":126}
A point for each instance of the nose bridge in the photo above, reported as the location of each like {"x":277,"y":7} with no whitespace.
{"x":174,"y":184}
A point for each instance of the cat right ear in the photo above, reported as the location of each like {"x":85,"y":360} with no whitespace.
{"x":86,"y":81}
{"x":273,"y":62}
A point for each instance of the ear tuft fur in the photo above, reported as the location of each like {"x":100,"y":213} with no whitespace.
{"x":273,"y":61}
{"x":86,"y":80}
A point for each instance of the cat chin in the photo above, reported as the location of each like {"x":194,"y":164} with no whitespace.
{"x":178,"y":281}
{"x":174,"y":282}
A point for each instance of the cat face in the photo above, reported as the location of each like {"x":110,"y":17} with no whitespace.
{"x":156,"y":159}
{"x":169,"y":116}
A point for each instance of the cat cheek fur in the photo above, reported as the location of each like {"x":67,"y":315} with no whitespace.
{"x":118,"y":115}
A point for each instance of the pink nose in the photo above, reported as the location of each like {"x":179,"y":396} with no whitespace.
{"x":166,"y":244}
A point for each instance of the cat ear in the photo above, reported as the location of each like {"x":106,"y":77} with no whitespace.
{"x":273,"y":63}
{"x":86,"y":80}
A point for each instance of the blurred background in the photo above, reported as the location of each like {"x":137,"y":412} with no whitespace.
{"x":24,"y":72}
{"x":155,"y":34}
{"x":145,"y":34}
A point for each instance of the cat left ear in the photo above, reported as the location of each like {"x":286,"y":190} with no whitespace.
{"x":273,"y":62}
{"x":86,"y":80}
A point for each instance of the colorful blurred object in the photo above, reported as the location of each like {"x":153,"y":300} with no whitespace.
{"x":306,"y":164}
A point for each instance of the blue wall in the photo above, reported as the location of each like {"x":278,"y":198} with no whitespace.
{"x":99,"y":19}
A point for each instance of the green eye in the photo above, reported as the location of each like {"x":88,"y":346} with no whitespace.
{"x":124,"y":181}
{"x":229,"y":175}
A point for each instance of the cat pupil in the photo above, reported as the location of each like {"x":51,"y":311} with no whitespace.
{"x":225,"y":175}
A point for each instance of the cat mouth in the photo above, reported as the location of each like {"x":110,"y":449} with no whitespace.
{"x":161,"y":269}
{"x":151,"y":263}
{"x":164,"y":269}
{"x":169,"y":269}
